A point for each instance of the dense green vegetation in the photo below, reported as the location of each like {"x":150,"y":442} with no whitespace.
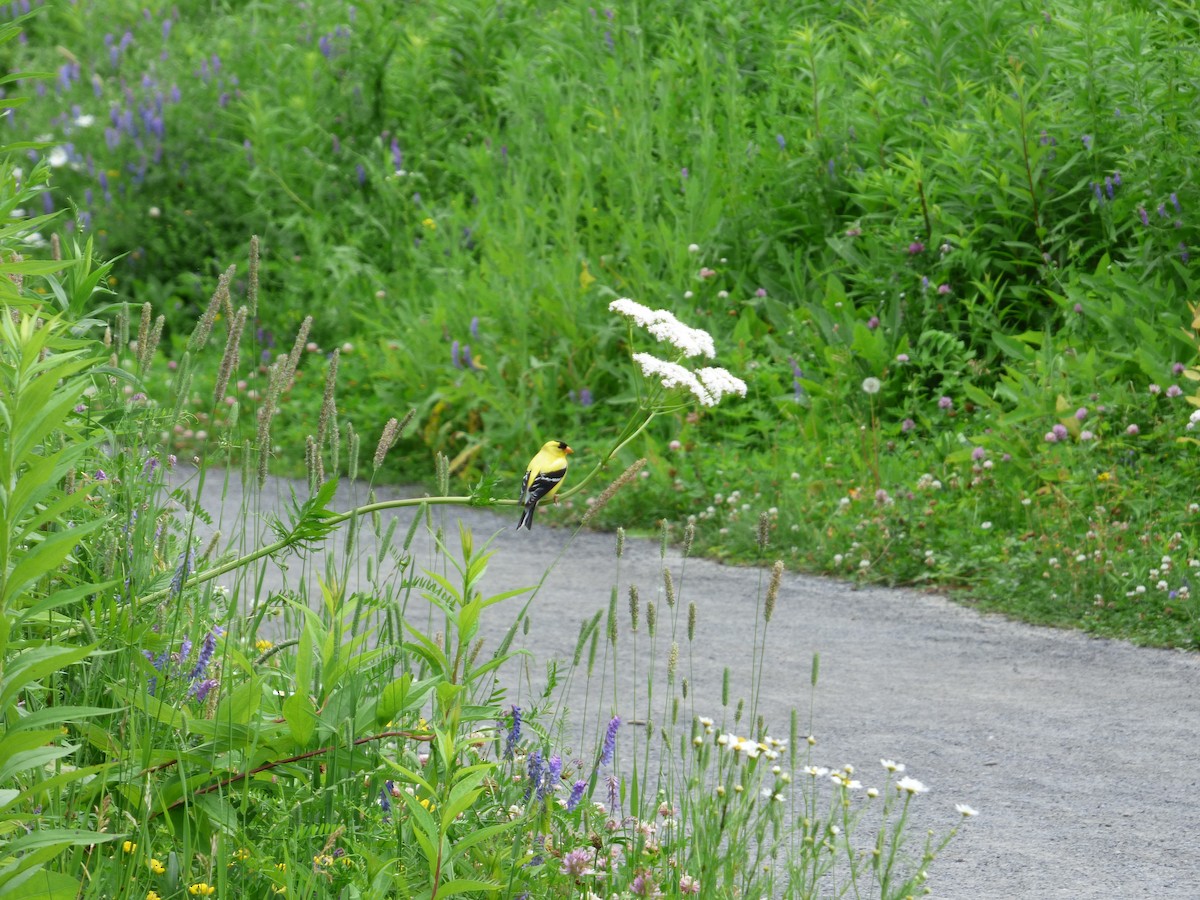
{"x":946,"y":248}
{"x":986,"y":209}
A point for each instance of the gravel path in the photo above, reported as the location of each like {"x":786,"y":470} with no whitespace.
{"x":1081,"y":755}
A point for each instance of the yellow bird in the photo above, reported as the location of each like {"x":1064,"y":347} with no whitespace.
{"x":543,"y":477}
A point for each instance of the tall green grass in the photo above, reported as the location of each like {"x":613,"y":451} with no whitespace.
{"x":990,"y":205}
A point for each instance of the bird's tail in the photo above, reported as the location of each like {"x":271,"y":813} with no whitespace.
{"x":527,"y":517}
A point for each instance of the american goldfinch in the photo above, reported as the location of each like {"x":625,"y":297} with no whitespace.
{"x":543,"y":477}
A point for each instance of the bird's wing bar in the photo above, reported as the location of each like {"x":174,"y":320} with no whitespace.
{"x":541,"y":485}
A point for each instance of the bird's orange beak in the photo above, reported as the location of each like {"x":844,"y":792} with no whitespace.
{"x":568,"y":451}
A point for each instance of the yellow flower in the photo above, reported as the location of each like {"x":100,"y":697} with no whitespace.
{"x":242,"y":853}
{"x":153,"y":895}
{"x":321,"y":860}
{"x":129,"y":847}
{"x":282,"y":867}
{"x":428,"y":804}
{"x":157,"y":867}
{"x":201,"y":889}
{"x":262,"y":645}
{"x":1104,"y":476}
{"x":279,"y":889}
{"x":430,"y":224}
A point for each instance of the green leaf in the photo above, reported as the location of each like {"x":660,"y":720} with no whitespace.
{"x":301,"y":717}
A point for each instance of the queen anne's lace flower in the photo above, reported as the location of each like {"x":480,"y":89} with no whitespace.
{"x":672,"y":375}
{"x":666,"y":328}
{"x":720,"y":382}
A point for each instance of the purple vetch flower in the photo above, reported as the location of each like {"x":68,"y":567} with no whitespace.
{"x":1108,"y":187}
{"x":1143,"y":215}
{"x":397,"y":155}
{"x":360,"y":173}
{"x":614,"y":793}
{"x":1098,"y":192}
{"x":205,"y":656}
{"x":249,"y":148}
{"x":1174,"y":198}
{"x":1087,"y":142}
{"x":325,"y":45}
{"x":514,"y":733}
{"x":576,"y":795}
{"x":924,"y":283}
{"x":1162,"y":210}
{"x":336,"y":145}
{"x":1116,"y":177}
{"x":199,"y":690}
{"x":585,"y":397}
{"x":1184,"y":256}
{"x":385,"y":799}
{"x":683,"y":173}
{"x":779,"y":139}
{"x":467,"y":362}
{"x":474,"y":327}
{"x":534,"y":771}
{"x":608,"y":40}
{"x":610,"y":741}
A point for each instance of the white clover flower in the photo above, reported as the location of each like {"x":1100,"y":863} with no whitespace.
{"x":965,"y":811}
{"x":871,"y":385}
{"x":58,"y":157}
{"x":720,"y":382}
{"x":85,"y":121}
{"x":672,"y":375}
{"x":910,"y":786}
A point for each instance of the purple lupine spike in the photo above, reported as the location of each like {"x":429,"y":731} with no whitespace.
{"x":454,"y":355}
{"x":535,"y":771}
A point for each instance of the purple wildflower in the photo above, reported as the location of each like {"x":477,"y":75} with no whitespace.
{"x":454,"y":355}
{"x":779,"y":139}
{"x":907,"y":425}
{"x":1183,"y":253}
{"x":1081,"y":413}
{"x":873,"y":322}
{"x":916,"y":247}
{"x":1087,"y":142}
{"x":534,"y":770}
{"x":578,"y":862}
{"x":200,"y":689}
{"x":514,"y":733}
{"x":183,"y":569}
{"x":1116,"y":177}
{"x":385,"y":801}
{"x":1162,"y":210}
{"x":205,"y":657}
{"x":614,"y":792}
{"x":554,"y":771}
{"x":1174,"y":198}
{"x":585,"y":397}
{"x":1143,"y":215}
{"x":468,"y":363}
{"x":576,"y":795}
{"x":397,"y":155}
{"x":610,"y":741}
{"x":474,"y":326}
{"x":978,"y":453}
{"x":1060,"y":432}
{"x":1108,"y":187}
{"x":1096,"y":190}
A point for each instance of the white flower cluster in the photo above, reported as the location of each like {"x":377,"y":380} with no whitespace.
{"x":666,"y":328}
{"x":709,"y":384}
